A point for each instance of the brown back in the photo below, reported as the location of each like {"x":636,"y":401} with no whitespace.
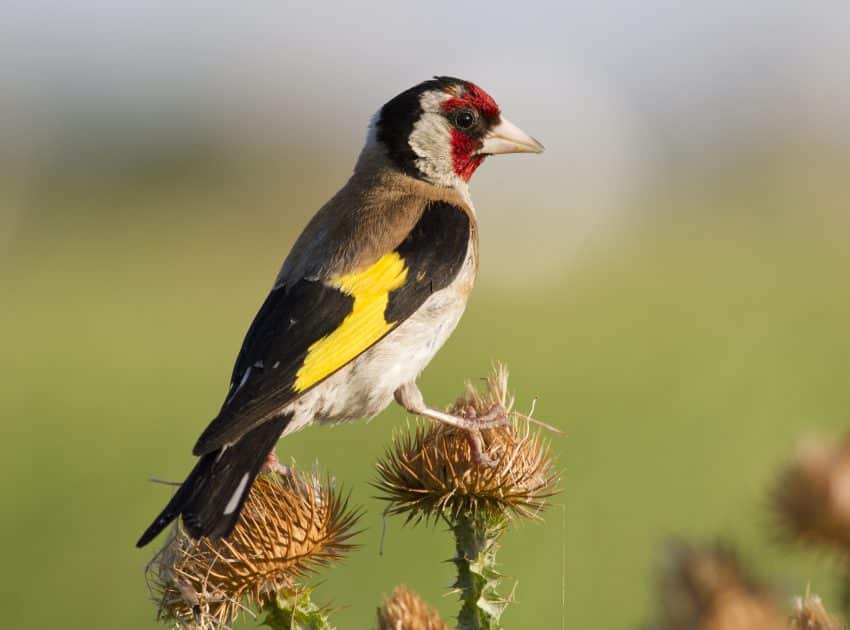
{"x":369,"y":217}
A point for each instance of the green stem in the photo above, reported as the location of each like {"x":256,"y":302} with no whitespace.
{"x":476,"y":542}
{"x":290,"y":610}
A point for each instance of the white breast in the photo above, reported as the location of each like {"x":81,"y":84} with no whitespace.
{"x":365,"y":387}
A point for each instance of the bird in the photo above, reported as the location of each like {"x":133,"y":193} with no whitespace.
{"x":372,"y":288}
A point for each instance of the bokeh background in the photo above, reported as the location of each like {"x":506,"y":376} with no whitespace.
{"x":670,"y":278}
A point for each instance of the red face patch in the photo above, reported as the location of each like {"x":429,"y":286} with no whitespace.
{"x":476,"y":98}
{"x":464,"y":161}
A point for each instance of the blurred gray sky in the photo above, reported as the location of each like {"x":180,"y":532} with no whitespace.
{"x":613,"y":89}
{"x":684,"y":67}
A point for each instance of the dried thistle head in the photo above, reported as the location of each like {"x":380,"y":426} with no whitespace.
{"x":812,"y":495}
{"x":405,"y":610}
{"x":809,"y":614}
{"x":430,"y":471}
{"x":709,"y":590}
{"x":291,"y":524}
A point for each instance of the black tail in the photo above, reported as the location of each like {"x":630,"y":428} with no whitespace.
{"x":212,"y":496}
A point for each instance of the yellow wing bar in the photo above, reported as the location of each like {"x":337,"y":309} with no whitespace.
{"x":363,"y":327}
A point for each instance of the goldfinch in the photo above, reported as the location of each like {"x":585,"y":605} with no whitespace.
{"x":371,"y":290}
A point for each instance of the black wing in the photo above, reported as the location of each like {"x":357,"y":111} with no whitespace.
{"x":295,"y":318}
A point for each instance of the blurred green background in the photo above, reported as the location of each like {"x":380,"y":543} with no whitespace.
{"x":670,"y":278}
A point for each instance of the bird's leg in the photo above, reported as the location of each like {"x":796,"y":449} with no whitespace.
{"x":409,"y":397}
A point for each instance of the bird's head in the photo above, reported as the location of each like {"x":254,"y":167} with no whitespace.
{"x":441,"y":130}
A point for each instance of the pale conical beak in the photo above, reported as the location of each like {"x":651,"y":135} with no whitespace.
{"x":506,"y":137}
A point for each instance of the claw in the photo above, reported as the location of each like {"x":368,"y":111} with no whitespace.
{"x":477,"y":450}
{"x":496,"y":417}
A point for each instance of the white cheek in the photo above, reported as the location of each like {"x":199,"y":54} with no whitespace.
{"x":431,"y":140}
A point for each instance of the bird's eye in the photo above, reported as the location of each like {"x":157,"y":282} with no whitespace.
{"x":465,"y":119}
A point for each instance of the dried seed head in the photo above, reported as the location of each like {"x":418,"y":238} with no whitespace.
{"x":707,"y":589}
{"x":290,"y":525}
{"x":812,"y":494}
{"x":430,"y":471}
{"x":405,"y":610}
{"x":809,"y":614}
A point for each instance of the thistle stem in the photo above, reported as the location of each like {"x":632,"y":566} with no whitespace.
{"x":476,"y":542}
{"x":290,"y":610}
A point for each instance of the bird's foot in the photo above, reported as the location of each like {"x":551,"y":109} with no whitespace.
{"x":273,"y":465}
{"x":478,"y":450}
{"x":468,"y":420}
{"x":496,"y":417}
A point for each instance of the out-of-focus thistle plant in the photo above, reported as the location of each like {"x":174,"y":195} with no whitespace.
{"x":809,"y":614}
{"x":812,"y":494}
{"x":291,"y":525}
{"x":811,"y":499}
{"x":707,"y":589}
{"x":405,"y":610}
{"x":431,"y":473}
